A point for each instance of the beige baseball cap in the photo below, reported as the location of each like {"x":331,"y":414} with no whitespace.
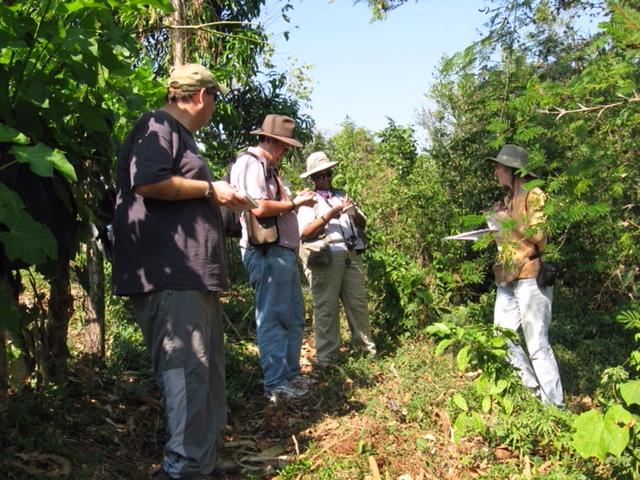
{"x":192,"y":77}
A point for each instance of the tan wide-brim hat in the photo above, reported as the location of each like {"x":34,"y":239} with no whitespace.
{"x":192,"y":77}
{"x":279,"y":127}
{"x":317,"y":162}
{"x":513,"y":156}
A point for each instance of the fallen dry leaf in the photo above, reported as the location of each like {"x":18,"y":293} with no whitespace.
{"x":502,"y":453}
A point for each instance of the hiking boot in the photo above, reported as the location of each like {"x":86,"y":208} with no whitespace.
{"x":286,"y":391}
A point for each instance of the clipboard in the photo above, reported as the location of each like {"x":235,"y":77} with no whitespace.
{"x":471,"y":235}
{"x":350,"y":210}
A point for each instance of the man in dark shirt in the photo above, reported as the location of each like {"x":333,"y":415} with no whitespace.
{"x":169,"y":258}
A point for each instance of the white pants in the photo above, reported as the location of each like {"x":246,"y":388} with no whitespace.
{"x":522,"y":304}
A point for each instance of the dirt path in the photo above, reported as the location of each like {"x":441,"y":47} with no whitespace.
{"x":362,"y":418}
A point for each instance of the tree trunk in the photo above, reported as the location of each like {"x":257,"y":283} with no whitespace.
{"x":94,"y":343}
{"x":178,"y":34}
{"x":3,"y":368}
{"x":56,"y":351}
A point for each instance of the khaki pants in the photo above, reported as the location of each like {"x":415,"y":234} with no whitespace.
{"x":343,"y":279}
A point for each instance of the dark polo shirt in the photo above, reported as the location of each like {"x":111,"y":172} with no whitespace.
{"x":164,"y":245}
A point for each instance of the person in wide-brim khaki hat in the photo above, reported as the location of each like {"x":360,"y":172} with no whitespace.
{"x":513,"y":156}
{"x":279,"y":127}
{"x":317,"y":162}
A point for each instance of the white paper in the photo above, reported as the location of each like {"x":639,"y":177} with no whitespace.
{"x":249,"y":203}
{"x":493,"y":223}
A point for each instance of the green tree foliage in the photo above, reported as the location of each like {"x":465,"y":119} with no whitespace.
{"x":66,"y":83}
{"x":224,"y":36}
{"x":571,"y":101}
{"x":585,"y":156}
{"x":76,"y":74}
{"x":538,"y":80}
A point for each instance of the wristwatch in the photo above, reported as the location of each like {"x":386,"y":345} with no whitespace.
{"x":209,"y":192}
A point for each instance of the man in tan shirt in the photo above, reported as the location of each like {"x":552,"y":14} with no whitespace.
{"x":520,"y":302}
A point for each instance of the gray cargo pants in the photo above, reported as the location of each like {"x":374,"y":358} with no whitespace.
{"x":183,"y":331}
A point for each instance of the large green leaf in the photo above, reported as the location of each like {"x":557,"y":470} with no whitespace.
{"x":75,"y":5}
{"x":9,"y":311}
{"x":42,"y":160}
{"x":92,"y":118}
{"x":460,"y":402}
{"x":27,"y":239}
{"x":9,"y":201}
{"x":630,"y":392}
{"x":462,"y":358}
{"x":615,"y":435}
{"x":439,"y":328}
{"x":588,"y":430}
{"x":11,"y":135}
{"x":597,"y":436}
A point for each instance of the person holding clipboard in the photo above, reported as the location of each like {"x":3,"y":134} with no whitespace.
{"x":521,"y":301}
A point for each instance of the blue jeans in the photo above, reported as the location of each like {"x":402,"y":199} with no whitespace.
{"x":522,"y":304}
{"x":275,"y":279}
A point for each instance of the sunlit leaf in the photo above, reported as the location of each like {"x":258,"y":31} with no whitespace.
{"x":462,"y":358}
{"x":588,"y":430}
{"x":42,"y":160}
{"x":598,"y":436}
{"x":11,"y":135}
{"x":443,"y":345}
{"x":460,"y":402}
{"x":630,"y":392}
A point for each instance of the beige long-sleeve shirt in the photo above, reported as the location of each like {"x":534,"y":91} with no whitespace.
{"x":519,"y":236}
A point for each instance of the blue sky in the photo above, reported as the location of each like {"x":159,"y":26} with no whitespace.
{"x":370,"y":71}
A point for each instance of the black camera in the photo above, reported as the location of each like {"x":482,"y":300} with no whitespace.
{"x":351,"y":242}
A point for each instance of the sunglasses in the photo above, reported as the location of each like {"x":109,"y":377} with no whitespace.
{"x":213,"y":91}
{"x":320,"y":176}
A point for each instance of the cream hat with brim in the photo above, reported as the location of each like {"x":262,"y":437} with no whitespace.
{"x":317,"y":162}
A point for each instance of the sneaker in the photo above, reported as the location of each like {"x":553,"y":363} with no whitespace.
{"x":286,"y":391}
{"x":303,"y":382}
